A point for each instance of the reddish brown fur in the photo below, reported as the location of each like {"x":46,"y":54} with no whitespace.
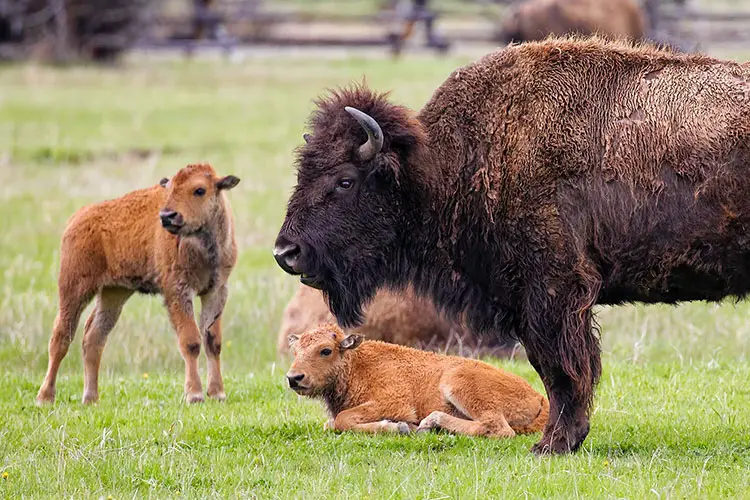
{"x":373,"y":386}
{"x":114,"y":248}
{"x":394,"y":317}
{"x":538,"y":19}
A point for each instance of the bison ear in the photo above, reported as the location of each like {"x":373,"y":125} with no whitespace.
{"x":351,"y":341}
{"x":292,"y":339}
{"x":163,"y":183}
{"x":227,"y":182}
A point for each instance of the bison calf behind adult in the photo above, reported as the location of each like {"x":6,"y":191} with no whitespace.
{"x":372,"y":386}
{"x":538,"y":181}
{"x":394,"y":317}
{"x":176,"y":239}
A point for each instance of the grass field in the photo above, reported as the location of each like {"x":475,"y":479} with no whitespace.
{"x":672,"y":416}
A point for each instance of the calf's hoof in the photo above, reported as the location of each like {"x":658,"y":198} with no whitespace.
{"x":194,"y":397}
{"x":45,"y":398}
{"x":403,"y":428}
{"x":218,"y":396}
{"x":431,"y":421}
{"x":90,"y":398}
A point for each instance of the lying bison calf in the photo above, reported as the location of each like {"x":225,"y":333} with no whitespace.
{"x":373,"y":386}
{"x":176,"y":239}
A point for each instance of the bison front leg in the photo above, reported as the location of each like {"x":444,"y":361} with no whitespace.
{"x":564,"y":350}
{"x":367,"y":417}
{"x":181,"y":315}
{"x":212,"y":307}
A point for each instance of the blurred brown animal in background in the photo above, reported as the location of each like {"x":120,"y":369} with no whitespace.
{"x":176,"y":239}
{"x":538,"y":19}
{"x":394,"y":317}
{"x":372,"y":386}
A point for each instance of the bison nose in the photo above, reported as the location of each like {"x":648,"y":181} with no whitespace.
{"x":167,"y":217}
{"x":294,"y":380}
{"x":287,"y":255}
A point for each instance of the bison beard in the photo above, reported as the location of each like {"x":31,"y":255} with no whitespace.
{"x":346,"y":296}
{"x":538,"y":181}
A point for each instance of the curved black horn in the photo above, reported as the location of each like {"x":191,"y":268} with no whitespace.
{"x":374,"y":144}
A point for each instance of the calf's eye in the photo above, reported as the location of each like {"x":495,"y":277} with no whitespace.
{"x":326,"y":352}
{"x":199,"y":192}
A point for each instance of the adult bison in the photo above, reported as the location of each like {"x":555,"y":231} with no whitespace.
{"x":538,"y":181}
{"x":538,"y":19}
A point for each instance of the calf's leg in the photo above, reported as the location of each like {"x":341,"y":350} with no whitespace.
{"x":103,"y":318}
{"x":181,"y":315}
{"x":367,"y":418}
{"x":212,"y":307}
{"x":472,"y":391}
{"x":74,"y":297}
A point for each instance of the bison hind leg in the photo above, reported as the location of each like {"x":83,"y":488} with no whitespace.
{"x":482,"y":418}
{"x":74,"y":297}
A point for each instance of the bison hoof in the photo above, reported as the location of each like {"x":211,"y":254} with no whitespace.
{"x":194,"y":397}
{"x":219,"y":396}
{"x":89,"y":399}
{"x":45,"y":400}
{"x":45,"y":397}
{"x":431,"y":421}
{"x":403,"y":428}
{"x":562,"y":439}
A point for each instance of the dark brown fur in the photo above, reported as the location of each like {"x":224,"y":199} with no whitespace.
{"x":538,"y":19}
{"x":115,"y":248}
{"x":538,"y":181}
{"x":372,"y":386}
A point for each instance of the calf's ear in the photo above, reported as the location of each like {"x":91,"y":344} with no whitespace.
{"x":351,"y":341}
{"x":227,"y":182}
{"x":292,"y":339}
{"x":163,"y":183}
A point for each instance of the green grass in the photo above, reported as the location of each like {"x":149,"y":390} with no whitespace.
{"x":671,"y":416}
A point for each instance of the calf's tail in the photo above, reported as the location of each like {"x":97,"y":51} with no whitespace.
{"x":538,"y":423}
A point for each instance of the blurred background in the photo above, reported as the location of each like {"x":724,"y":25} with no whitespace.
{"x":102,"y":97}
{"x":103,"y":30}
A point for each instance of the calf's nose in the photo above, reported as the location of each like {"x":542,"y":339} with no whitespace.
{"x":295,"y":379}
{"x":167,"y":216}
{"x":287,"y":254}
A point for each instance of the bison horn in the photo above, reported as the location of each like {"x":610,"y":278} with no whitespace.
{"x":374,"y":144}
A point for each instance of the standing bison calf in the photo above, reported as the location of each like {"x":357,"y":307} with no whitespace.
{"x":373,"y":386}
{"x":176,"y":239}
{"x":537,"y":182}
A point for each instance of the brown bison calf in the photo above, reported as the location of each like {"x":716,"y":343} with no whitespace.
{"x":396,"y":317}
{"x":373,"y":386}
{"x":176,"y":239}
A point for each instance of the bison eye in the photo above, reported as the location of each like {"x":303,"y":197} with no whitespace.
{"x":199,"y":192}
{"x":344,"y":184}
{"x":326,"y":352}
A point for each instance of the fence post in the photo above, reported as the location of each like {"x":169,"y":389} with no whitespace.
{"x":61,"y":30}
